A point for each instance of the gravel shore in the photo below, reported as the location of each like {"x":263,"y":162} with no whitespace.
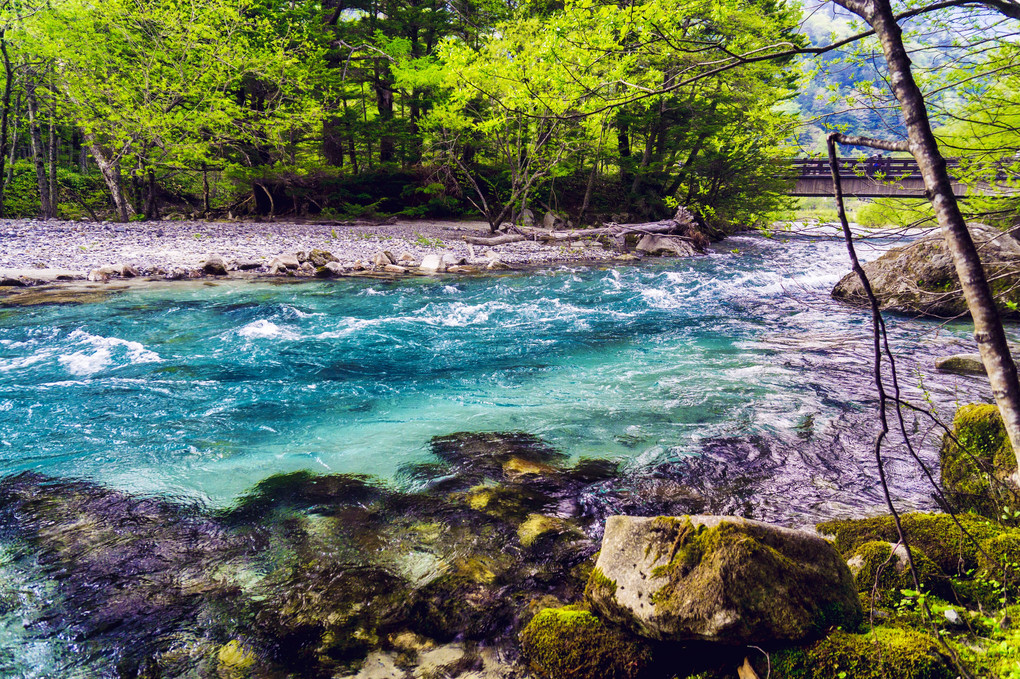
{"x":33,"y":251}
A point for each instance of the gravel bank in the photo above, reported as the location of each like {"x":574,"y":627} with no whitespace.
{"x":176,"y":249}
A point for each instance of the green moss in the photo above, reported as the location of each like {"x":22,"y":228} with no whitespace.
{"x":980,"y":452}
{"x":1000,"y":558}
{"x":873,"y":563}
{"x":562,"y":643}
{"x":883,"y":653}
{"x":936,"y":535}
{"x":600,"y":585}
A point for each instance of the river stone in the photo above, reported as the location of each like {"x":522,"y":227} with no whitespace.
{"x":653,"y":244}
{"x":920,"y":278}
{"x":320,"y":258}
{"x":285,"y":262}
{"x":432,"y":264}
{"x":214,"y":266}
{"x":961,"y":364}
{"x":551,"y":220}
{"x":721,"y":579}
{"x":527,"y":218}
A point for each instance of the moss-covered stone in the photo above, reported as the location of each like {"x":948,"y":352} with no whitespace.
{"x":936,"y":535}
{"x":562,"y":643}
{"x":976,"y":459}
{"x":234,"y":661}
{"x":882,"y":653}
{"x":539,"y":526}
{"x":876,"y":567}
{"x":999,"y":558}
{"x":720,"y":579}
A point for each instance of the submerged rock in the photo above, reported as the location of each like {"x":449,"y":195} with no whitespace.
{"x":720,"y":579}
{"x":920,"y":278}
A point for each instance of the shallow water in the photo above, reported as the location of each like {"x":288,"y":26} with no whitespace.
{"x":730,"y":383}
{"x":201,"y":390}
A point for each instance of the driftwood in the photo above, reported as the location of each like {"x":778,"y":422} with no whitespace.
{"x":681,"y":226}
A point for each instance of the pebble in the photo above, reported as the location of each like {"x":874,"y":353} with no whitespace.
{"x":176,"y":248}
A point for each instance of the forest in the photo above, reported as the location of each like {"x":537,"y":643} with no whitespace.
{"x":142,"y":109}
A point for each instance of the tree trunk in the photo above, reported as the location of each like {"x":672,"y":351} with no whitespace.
{"x":37,"y":155}
{"x":5,"y":116}
{"x":988,"y":330}
{"x":205,"y":190}
{"x":384,"y":104}
{"x":54,"y":152}
{"x":151,"y":196}
{"x":110,"y":170}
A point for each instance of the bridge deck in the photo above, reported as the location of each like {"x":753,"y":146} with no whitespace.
{"x":881,"y":177}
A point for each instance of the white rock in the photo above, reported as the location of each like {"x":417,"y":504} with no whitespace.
{"x":432,"y":264}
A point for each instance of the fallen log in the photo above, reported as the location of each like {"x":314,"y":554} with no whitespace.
{"x":681,"y":226}
{"x":495,"y":240}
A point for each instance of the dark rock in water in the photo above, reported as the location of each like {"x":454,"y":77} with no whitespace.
{"x":961,"y":364}
{"x":123,"y":564}
{"x":920,"y":278}
{"x":720,"y":579}
{"x":513,"y":455}
{"x":304,"y":490}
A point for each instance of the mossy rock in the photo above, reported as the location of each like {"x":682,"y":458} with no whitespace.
{"x":936,"y":535}
{"x":999,"y":559}
{"x":877,"y":562}
{"x":565,"y":643}
{"x":975,"y":464}
{"x":882,"y":653}
{"x":720,"y":579}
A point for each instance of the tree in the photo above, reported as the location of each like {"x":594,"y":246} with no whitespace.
{"x":542,"y":97}
{"x":988,"y":329}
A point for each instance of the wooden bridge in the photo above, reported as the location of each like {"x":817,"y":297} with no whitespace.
{"x":881,"y":177}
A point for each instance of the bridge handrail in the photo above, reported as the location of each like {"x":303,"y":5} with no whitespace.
{"x":886,"y":168}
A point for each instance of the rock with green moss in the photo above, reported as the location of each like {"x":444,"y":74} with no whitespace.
{"x":564,"y":642}
{"x":937,"y":535}
{"x":882,"y":653}
{"x":721,"y":579}
{"x":976,"y":461}
{"x":920,"y":278}
{"x":882,"y":567}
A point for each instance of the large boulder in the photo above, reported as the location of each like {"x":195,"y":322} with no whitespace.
{"x":720,"y":579}
{"x":653,"y":244}
{"x":920,"y":278}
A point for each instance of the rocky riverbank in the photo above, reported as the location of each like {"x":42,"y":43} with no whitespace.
{"x":45,"y":251}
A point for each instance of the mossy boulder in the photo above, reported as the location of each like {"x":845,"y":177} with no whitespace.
{"x":977,"y":460}
{"x":720,"y":579}
{"x":564,"y":642}
{"x":882,"y":653}
{"x":883,"y":567}
{"x":920,"y":278}
{"x":936,"y":535}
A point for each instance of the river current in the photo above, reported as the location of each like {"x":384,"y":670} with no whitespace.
{"x":734,"y":374}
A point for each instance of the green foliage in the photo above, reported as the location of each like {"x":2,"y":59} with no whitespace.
{"x":893,"y":212}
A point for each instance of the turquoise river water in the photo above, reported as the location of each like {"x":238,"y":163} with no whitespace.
{"x":734,"y":373}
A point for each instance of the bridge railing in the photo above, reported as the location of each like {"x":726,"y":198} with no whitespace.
{"x":888,"y":169}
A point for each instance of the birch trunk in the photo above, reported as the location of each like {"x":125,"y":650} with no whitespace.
{"x":988,"y":330}
{"x":37,"y":156}
{"x":110,"y":170}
